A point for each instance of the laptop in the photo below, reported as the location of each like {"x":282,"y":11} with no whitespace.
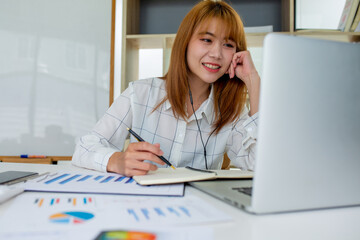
{"x":308,"y":152}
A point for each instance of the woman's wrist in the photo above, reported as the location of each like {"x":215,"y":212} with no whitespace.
{"x":254,"y":93}
{"x":113,"y":164}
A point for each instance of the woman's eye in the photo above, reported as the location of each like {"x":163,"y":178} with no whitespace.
{"x":229,"y":45}
{"x":205,"y":40}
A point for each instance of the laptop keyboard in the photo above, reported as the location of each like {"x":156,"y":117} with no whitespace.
{"x":245,"y":190}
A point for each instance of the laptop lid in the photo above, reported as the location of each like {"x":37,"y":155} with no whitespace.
{"x":308,"y":153}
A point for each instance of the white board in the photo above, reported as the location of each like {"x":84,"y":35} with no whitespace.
{"x":54,"y":73}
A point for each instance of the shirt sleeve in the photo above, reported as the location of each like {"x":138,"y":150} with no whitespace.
{"x":241,"y":144}
{"x":107,"y":137}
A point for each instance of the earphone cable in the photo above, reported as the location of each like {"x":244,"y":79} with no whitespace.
{"x":197,"y":123}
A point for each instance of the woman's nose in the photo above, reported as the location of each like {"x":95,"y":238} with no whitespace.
{"x":215,"y":51}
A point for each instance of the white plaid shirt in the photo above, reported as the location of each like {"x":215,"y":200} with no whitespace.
{"x":179,"y":140}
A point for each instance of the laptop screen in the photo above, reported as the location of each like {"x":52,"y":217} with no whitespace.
{"x":309,"y":132}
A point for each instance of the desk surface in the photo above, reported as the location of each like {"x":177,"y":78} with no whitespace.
{"x":339,"y":223}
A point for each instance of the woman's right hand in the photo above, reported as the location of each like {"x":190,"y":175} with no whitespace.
{"x":131,"y":162}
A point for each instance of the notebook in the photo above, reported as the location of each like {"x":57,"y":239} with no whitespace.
{"x":188,"y":174}
{"x":308,"y":149}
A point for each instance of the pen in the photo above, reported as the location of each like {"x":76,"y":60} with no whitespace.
{"x":32,"y":156}
{"x":200,"y":170}
{"x":142,"y":140}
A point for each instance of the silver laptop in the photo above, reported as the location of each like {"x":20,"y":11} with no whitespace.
{"x":308,"y":153}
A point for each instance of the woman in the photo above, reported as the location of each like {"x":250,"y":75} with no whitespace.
{"x":191,"y":116}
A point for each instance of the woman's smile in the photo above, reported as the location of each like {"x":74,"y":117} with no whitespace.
{"x":211,"y":67}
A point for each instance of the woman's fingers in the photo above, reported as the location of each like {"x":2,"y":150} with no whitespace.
{"x":146,"y":147}
{"x":231,"y":71}
{"x":243,"y":66}
{"x":143,"y":166}
{"x":131,"y":162}
{"x":141,"y":156}
{"x":134,"y":172}
{"x":134,"y":167}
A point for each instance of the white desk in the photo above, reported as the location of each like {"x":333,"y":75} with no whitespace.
{"x":340,"y":223}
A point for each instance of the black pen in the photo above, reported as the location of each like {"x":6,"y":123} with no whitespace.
{"x":200,"y":170}
{"x":142,"y":140}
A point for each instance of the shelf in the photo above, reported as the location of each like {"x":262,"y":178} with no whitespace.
{"x":27,"y":160}
{"x":47,"y":160}
{"x":330,"y":35}
{"x":147,"y":41}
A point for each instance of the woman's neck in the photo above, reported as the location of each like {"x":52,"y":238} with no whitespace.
{"x":199,"y":89}
{"x":200,"y":92}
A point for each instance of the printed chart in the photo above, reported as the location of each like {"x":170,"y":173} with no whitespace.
{"x":165,"y":211}
{"x":71,"y":217}
{"x":159,"y":212}
{"x":63,"y":201}
{"x":57,"y":211}
{"x":99,"y":183}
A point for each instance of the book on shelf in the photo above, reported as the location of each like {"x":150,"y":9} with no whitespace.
{"x":188,"y":174}
{"x":355,"y":26}
{"x":348,"y":15}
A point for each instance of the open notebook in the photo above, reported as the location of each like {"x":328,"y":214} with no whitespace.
{"x":179,"y":175}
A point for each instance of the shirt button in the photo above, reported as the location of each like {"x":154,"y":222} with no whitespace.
{"x":249,"y":129}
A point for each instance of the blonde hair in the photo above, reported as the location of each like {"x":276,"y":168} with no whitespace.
{"x":231,"y":91}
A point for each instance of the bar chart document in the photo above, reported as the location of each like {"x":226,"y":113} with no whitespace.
{"x":99,"y":183}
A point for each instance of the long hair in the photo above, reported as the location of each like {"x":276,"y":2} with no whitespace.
{"x":230,"y":92}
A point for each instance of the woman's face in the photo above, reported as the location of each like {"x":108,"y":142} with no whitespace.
{"x":209,"y":53}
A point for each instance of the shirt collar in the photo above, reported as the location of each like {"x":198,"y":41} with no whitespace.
{"x":167,"y":105}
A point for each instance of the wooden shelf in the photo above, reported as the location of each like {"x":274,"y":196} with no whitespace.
{"x":149,"y":41}
{"x":47,"y":160}
{"x":146,"y":41}
{"x":330,"y":35}
{"x":27,"y":160}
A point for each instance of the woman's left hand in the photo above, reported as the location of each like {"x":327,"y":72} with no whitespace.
{"x":243,"y":67}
